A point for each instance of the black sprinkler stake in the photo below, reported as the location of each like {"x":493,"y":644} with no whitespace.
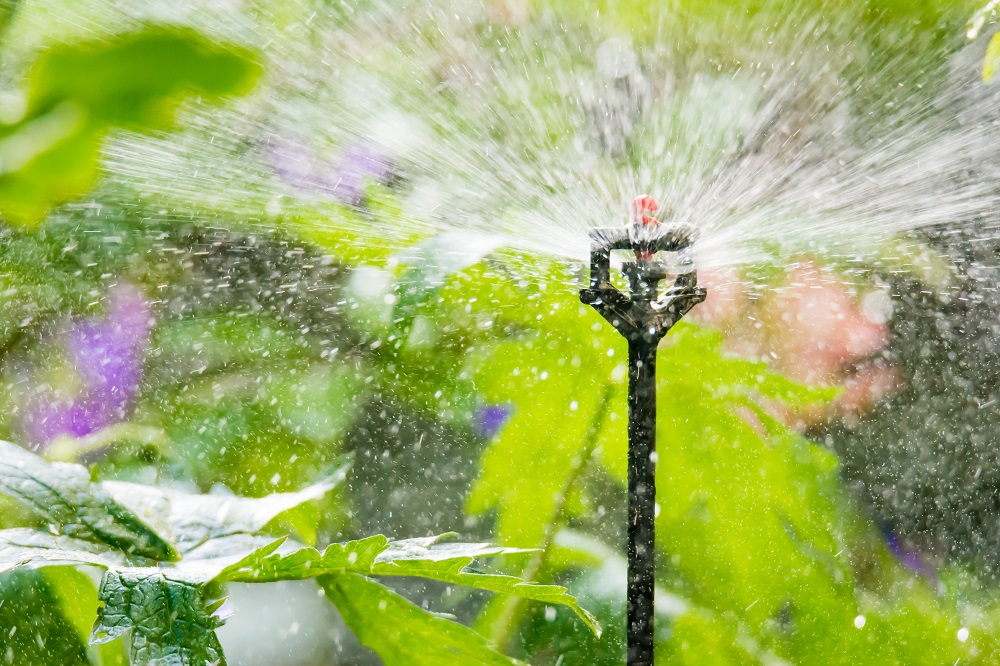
{"x":643,"y":318}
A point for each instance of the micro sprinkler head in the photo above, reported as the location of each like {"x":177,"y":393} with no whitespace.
{"x":642,"y":317}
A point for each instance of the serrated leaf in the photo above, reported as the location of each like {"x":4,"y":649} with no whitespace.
{"x":63,"y":495}
{"x":231,"y":553}
{"x":164,"y":605}
{"x":23,"y":547}
{"x":525,"y":469}
{"x":304,"y":562}
{"x":171,"y":622}
{"x":450,"y":563}
{"x":402,"y":633}
{"x":695,"y":356}
{"x":422,"y":558}
{"x":133,"y":594}
{"x":196,"y":519}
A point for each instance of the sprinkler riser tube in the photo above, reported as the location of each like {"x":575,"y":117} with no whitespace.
{"x":643,"y":318}
{"x":642,"y":500}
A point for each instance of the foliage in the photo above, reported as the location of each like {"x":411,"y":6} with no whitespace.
{"x":991,"y":61}
{"x":273,"y":350}
{"x":980,"y":18}
{"x":168,"y":601}
{"x":77,"y":93}
{"x":736,"y":488}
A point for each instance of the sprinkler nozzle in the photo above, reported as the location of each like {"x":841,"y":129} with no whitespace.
{"x":642,"y":205}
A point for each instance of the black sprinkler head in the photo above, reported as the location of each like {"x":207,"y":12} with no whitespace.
{"x":644,"y":312}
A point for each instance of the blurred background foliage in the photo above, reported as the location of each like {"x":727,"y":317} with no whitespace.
{"x":248,"y":291}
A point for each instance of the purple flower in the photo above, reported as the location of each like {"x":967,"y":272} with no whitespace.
{"x":106,"y":357}
{"x":358,"y":164}
{"x":491,"y":418}
{"x":343,"y":178}
{"x":908,"y":556}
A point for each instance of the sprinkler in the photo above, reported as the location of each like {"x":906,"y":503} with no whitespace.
{"x":643,"y":317}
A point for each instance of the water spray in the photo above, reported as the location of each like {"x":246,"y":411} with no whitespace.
{"x":643,"y":317}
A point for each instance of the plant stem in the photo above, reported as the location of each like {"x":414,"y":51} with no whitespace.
{"x":73,"y":449}
{"x":510,"y":617}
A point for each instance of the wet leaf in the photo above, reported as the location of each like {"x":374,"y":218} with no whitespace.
{"x":168,"y":608}
{"x":402,"y":633}
{"x":429,"y":557}
{"x":196,"y":519}
{"x":554,"y":374}
{"x":298,"y":563}
{"x":171,"y":622}
{"x":451,"y":563}
{"x":34,"y":629}
{"x":76,"y":594}
{"x":23,"y":547}
{"x":63,"y":495}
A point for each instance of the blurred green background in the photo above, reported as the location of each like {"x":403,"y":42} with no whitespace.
{"x":223,"y":264}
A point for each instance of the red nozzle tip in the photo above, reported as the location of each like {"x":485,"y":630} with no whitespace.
{"x":642,"y":205}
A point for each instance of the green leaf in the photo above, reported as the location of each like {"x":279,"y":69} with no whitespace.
{"x":422,"y":558}
{"x":47,"y":159}
{"x":167,"y":607}
{"x":63,"y":495}
{"x":992,"y":60}
{"x":34,"y":629}
{"x":525,"y":469}
{"x":196,"y":519}
{"x":23,"y":547}
{"x":77,"y":92}
{"x":249,"y":559}
{"x":698,"y":637}
{"x":299,"y":563}
{"x":402,"y":633}
{"x":450,"y":563}
{"x":76,"y":596}
{"x":138,"y":80}
{"x":8,"y":8}
{"x":171,"y":622}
